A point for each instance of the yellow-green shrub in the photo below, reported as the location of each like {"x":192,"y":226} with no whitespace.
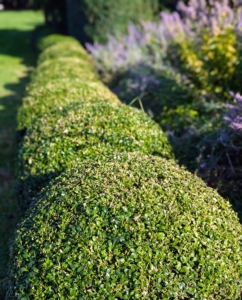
{"x":210,"y":62}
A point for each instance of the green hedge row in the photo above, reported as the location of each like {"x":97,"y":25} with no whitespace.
{"x":111,"y":216}
{"x":68,"y":115}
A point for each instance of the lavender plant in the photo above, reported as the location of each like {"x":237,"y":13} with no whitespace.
{"x":234,"y":113}
{"x":183,"y":68}
{"x":144,"y":46}
{"x":198,"y":31}
{"x":133,"y":65}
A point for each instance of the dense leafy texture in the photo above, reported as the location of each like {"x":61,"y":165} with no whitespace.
{"x":190,"y":62}
{"x":129,"y":227}
{"x":68,"y":115}
{"x":109,"y":218}
{"x":53,"y":40}
{"x":84,"y":130}
{"x":65,"y":74}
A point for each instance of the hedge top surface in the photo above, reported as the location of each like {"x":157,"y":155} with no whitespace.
{"x":65,"y":49}
{"x":62,"y":137}
{"x":55,"y":39}
{"x":82,"y":130}
{"x":59,"y":92}
{"x":65,"y":74}
{"x":130,"y":227}
{"x":64,"y":61}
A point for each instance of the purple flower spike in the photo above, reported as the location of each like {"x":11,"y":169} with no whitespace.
{"x":234,"y":113}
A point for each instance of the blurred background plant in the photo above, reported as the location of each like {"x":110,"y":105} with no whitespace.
{"x":91,"y":20}
{"x":183,"y":68}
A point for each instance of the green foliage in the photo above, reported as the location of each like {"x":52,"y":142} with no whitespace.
{"x":81,"y":119}
{"x":71,"y":79}
{"x":178,"y":118}
{"x":62,"y":137}
{"x":54,"y":11}
{"x":210,"y":63}
{"x":93,"y":20}
{"x":55,"y":39}
{"x":127,"y":227}
{"x":109,"y":217}
{"x":66,"y":49}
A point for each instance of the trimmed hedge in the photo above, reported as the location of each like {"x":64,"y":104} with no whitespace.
{"x":59,"y":93}
{"x":128,"y":227}
{"x":72,"y":96}
{"x":83,"y":130}
{"x":65,"y":74}
{"x":109,"y":219}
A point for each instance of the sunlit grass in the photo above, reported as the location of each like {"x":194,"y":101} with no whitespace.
{"x":16,"y":62}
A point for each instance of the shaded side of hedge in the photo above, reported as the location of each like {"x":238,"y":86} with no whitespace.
{"x":68,"y":115}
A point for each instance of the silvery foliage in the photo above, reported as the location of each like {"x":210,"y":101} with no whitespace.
{"x":189,"y":20}
{"x":234,"y":113}
{"x":148,"y":43}
{"x":138,"y":53}
{"x":138,"y":46}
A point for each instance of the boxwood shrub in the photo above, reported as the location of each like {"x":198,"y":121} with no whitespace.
{"x":65,"y":74}
{"x":114,"y":216}
{"x":57,"y":93}
{"x":62,"y":137}
{"x":54,"y":39}
{"x":66,"y":48}
{"x":127,"y":227}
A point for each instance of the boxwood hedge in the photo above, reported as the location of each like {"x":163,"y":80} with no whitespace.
{"x":110,"y":220}
{"x":62,"y":137}
{"x":98,"y":124}
{"x":59,"y":92}
{"x":65,"y":74}
{"x":54,"y":39}
{"x":64,"y":49}
{"x":127,"y":227}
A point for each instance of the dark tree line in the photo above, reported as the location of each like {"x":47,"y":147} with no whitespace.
{"x":17,"y":4}
{"x":90,"y":20}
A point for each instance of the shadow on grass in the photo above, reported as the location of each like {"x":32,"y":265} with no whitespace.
{"x":17,"y":60}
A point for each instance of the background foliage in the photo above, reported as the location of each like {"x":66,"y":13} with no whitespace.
{"x":183,"y":68}
{"x":93,"y":20}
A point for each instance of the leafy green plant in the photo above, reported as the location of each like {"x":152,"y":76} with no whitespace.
{"x":71,"y":79}
{"x":210,"y":63}
{"x":127,"y":227}
{"x":93,"y":20}
{"x":81,"y":119}
{"x":62,"y":137}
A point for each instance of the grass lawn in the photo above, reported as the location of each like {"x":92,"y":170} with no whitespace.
{"x":17,"y":60}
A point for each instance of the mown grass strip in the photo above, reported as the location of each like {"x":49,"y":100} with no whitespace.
{"x":16,"y":63}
